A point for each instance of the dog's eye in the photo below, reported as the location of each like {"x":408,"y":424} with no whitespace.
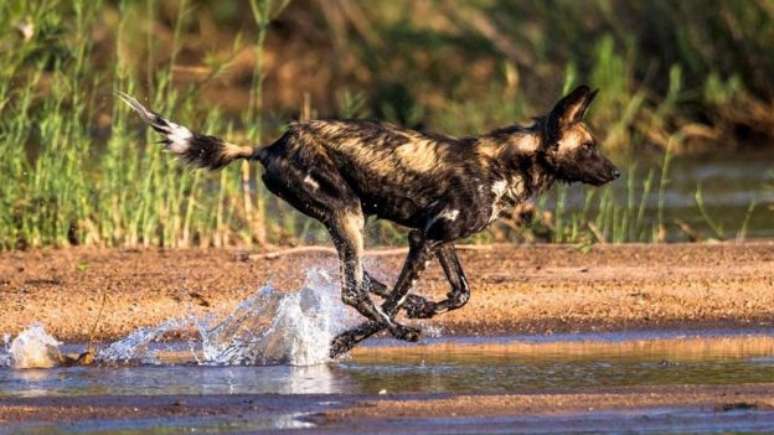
{"x":587,"y":146}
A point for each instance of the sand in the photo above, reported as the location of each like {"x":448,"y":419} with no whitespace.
{"x":86,"y":293}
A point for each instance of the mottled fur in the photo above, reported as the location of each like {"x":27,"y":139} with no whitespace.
{"x":442,"y":188}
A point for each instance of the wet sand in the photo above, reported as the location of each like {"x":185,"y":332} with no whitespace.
{"x":392,"y":413}
{"x":101,"y":294}
{"x":719,"y":398}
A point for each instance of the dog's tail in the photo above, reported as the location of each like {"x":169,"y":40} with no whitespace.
{"x":196,"y":149}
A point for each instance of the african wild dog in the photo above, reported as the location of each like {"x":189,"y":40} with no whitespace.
{"x":441,"y":188}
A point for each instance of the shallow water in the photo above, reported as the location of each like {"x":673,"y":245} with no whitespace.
{"x":654,"y":420}
{"x":273,"y":350}
{"x":165,"y":426}
{"x":434,"y":368}
{"x":450,"y":365}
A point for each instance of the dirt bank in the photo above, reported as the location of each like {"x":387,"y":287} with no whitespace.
{"x":719,"y":398}
{"x":407,"y":413}
{"x":515,"y":289}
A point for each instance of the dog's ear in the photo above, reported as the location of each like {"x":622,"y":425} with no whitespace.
{"x":570,"y":109}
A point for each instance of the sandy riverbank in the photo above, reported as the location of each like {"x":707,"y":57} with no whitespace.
{"x":515,"y":289}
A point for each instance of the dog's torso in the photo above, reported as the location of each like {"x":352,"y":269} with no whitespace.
{"x":450,"y":187}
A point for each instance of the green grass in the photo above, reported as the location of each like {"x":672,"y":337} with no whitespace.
{"x":602,"y":218}
{"x":75,"y":190}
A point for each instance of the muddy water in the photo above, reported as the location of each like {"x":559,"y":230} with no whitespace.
{"x":432,"y":369}
{"x":516,"y":365}
{"x":657,"y":420}
{"x":451,"y":365}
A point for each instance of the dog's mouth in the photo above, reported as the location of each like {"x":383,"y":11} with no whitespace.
{"x":604,"y":171}
{"x":612,"y":175}
{"x":594,"y":179}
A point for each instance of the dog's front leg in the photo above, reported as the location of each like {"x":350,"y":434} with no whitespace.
{"x":413,"y":304}
{"x":420,"y":251}
{"x":374,"y":285}
{"x":456,"y":298}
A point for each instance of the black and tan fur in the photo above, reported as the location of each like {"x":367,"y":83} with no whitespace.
{"x":442,"y":188}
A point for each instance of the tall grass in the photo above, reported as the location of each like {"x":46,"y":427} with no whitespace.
{"x":75,"y":190}
{"x":602,"y":218}
{"x":77,"y":169}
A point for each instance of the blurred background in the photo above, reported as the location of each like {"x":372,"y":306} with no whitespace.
{"x":686,"y":106}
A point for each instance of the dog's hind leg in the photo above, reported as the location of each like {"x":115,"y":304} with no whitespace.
{"x":346,"y":229}
{"x":327,"y":198}
{"x":420,"y":308}
{"x":413,"y":303}
{"x":420,"y":251}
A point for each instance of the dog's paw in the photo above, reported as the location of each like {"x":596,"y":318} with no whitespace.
{"x":418,"y":307}
{"x":340,"y":345}
{"x":405,"y":333}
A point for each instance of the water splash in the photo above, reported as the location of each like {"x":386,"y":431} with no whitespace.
{"x":268,"y":327}
{"x":32,"y":348}
{"x":271,"y":327}
{"x":135,"y":348}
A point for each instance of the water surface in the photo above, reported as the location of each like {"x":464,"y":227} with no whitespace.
{"x":449,"y":365}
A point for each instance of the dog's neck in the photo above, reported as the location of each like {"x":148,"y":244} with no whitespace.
{"x":517,"y":150}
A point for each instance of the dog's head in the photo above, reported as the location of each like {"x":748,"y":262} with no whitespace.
{"x":569,"y":149}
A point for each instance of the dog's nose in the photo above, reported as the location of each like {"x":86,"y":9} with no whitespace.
{"x":616,"y":173}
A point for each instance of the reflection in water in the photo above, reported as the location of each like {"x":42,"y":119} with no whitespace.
{"x":508,"y":365}
{"x":494,"y":374}
{"x":318,"y":379}
{"x":451,"y":365}
{"x":160,"y":380}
